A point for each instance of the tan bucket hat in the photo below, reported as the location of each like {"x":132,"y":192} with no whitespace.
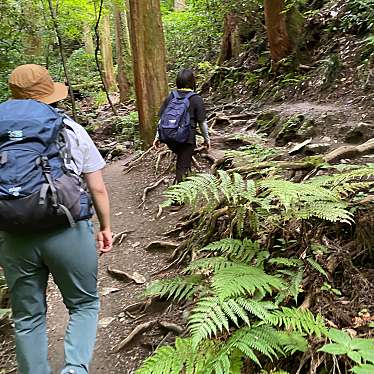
{"x":34,"y":82}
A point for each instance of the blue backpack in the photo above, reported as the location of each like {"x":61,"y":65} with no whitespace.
{"x":37,"y":191}
{"x":175,"y":121}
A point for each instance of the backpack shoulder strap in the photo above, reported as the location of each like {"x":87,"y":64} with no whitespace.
{"x":175,"y":94}
{"x":190,"y":94}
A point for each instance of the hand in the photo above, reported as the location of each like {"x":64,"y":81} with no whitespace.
{"x":157,"y":143}
{"x":104,"y":241}
{"x":206,"y":144}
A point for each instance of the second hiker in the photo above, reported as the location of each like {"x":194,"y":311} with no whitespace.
{"x":180,"y":114}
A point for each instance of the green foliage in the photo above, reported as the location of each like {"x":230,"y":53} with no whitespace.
{"x":360,"y":351}
{"x":178,"y":288}
{"x":190,"y":38}
{"x":83,"y":71}
{"x":127,"y":127}
{"x":358,"y":17}
{"x":251,"y":154}
{"x":302,"y":321}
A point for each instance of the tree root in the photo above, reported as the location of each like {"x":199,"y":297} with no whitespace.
{"x":350,"y":151}
{"x":161,"y":245}
{"x":150,"y":188}
{"x":168,"y":326}
{"x":134,"y":162}
{"x":159,"y":158}
{"x":120,"y":274}
{"x":138,"y":330}
{"x":120,"y":236}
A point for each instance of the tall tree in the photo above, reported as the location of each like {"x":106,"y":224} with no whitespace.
{"x":87,"y":38}
{"x":123,"y":82}
{"x":283,"y":27}
{"x":149,"y":61}
{"x":230,"y":46}
{"x":107,"y":53}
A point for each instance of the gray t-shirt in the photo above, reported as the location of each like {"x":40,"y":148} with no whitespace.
{"x":85,"y":155}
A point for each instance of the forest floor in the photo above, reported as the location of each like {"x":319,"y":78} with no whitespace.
{"x":143,"y":227}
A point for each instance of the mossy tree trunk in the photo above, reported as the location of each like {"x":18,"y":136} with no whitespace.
{"x":123,"y":82}
{"x":107,"y":54}
{"x":283,"y":29}
{"x":230,"y":47}
{"x":149,"y":62}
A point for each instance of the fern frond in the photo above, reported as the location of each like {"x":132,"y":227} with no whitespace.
{"x":289,"y":262}
{"x":177,"y":288}
{"x":242,"y":280}
{"x":299,"y":320}
{"x":262,"y":339}
{"x":211,"y":315}
{"x":315,"y":265}
{"x":292,"y":342}
{"x":289,"y":193}
{"x":239,"y":250}
{"x":209,"y":265}
{"x":192,"y":190}
{"x":164,"y":360}
{"x":326,"y":210}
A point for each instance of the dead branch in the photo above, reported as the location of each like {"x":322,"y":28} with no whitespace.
{"x":150,"y":188}
{"x":161,"y":245}
{"x":138,"y":330}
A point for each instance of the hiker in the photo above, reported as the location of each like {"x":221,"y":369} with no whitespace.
{"x":45,"y":216}
{"x":179,"y":115}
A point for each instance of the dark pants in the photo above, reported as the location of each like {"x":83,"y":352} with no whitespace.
{"x":184,"y":154}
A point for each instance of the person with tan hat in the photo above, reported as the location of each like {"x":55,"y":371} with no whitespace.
{"x":45,"y":161}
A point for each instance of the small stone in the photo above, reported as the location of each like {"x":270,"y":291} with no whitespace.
{"x":105,"y":322}
{"x":317,"y":148}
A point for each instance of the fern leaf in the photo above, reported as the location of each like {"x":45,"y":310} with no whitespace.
{"x":178,"y":288}
{"x":242,"y":280}
{"x":292,"y":342}
{"x":289,"y":262}
{"x":211,"y":315}
{"x":299,"y":320}
{"x":317,"y":266}
{"x":211,"y":264}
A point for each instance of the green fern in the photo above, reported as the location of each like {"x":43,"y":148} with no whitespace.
{"x":289,"y":262}
{"x":241,"y":280}
{"x":299,"y":320}
{"x":315,"y":265}
{"x":238,"y":250}
{"x":209,"y":265}
{"x":177,"y":288}
{"x":292,"y":342}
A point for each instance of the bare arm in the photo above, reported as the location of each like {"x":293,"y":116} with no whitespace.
{"x":100,"y":198}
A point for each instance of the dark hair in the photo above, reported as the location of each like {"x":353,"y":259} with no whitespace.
{"x":186,"y":79}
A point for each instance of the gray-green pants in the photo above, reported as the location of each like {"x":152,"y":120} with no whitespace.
{"x":70,"y":256}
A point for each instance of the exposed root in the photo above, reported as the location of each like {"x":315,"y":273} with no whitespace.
{"x":118,"y":238}
{"x":176,"y":329}
{"x":159,"y":158}
{"x":120,"y":274}
{"x":138,"y":330}
{"x":150,"y":188}
{"x":134,"y":162}
{"x":350,"y":151}
{"x":161,"y":245}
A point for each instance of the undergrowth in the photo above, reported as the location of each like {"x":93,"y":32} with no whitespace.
{"x":257,"y":258}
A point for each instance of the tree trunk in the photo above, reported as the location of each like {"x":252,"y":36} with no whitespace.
{"x":179,"y":5}
{"x":230,"y":47}
{"x":149,"y":61}
{"x":107,"y":54}
{"x":283,"y":29}
{"x":123,"y":83}
{"x":87,"y":37}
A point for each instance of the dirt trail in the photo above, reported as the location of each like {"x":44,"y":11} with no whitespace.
{"x":130,"y":256}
